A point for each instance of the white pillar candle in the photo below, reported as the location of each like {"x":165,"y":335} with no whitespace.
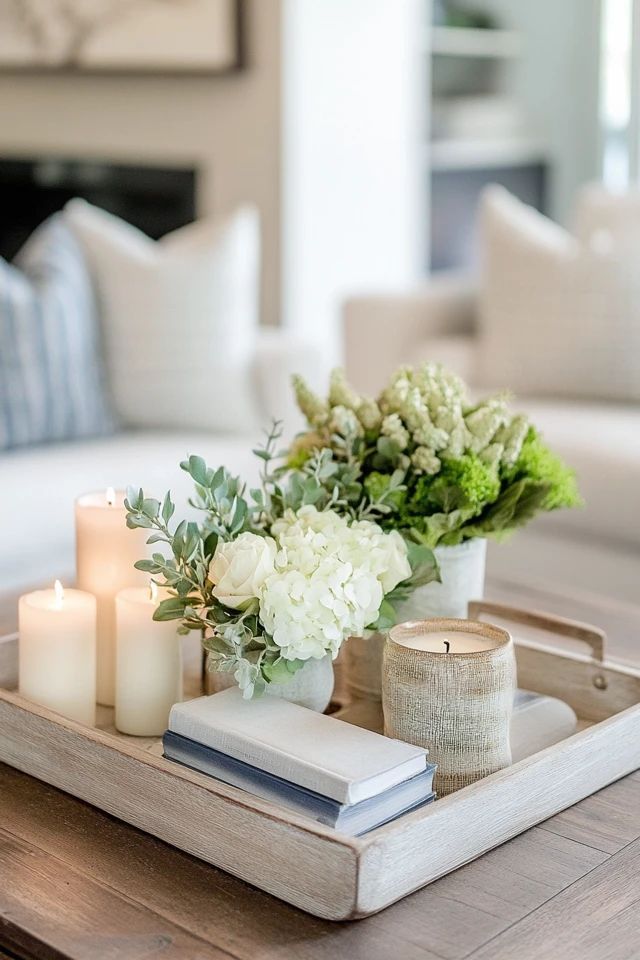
{"x":148,"y":664}
{"x":57,"y":651}
{"x":106,"y":551}
{"x":448,"y":685}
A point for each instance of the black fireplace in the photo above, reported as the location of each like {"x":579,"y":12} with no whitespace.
{"x":155,"y":199}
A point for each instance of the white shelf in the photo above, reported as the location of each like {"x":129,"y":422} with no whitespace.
{"x":476,"y":154}
{"x":467,"y":42}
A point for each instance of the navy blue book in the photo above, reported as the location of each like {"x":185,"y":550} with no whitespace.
{"x":353,"y":819}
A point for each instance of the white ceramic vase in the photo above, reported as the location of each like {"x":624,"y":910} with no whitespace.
{"x":462,"y":571}
{"x":310,"y":687}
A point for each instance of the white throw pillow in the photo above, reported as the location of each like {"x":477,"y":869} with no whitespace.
{"x":557,"y":317}
{"x":179,"y":318}
{"x":608,"y":222}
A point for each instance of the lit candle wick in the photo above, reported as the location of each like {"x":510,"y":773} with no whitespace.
{"x":446,"y":646}
{"x":58,"y":590}
{"x":153,"y":590}
{"x":111,"y":496}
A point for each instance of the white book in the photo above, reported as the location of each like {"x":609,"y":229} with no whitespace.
{"x":328,"y":756}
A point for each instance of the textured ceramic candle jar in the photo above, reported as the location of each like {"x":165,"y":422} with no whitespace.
{"x":448,"y":686}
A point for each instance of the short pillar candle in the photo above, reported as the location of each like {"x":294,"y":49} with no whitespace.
{"x":106,"y":551}
{"x":57,"y":651}
{"x":448,"y":685}
{"x":148,"y":664}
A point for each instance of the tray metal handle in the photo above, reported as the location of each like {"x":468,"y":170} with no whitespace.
{"x":594,"y":637}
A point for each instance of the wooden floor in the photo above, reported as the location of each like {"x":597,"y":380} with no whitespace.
{"x":74,"y":883}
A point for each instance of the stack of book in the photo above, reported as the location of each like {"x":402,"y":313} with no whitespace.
{"x":336,"y":773}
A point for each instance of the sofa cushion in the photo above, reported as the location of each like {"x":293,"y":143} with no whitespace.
{"x":608,"y":221}
{"x":602,"y":444}
{"x":51,"y":375}
{"x":179,"y":318}
{"x":557,"y":317}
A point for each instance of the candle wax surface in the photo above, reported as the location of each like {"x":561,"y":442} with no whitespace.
{"x":47,"y":600}
{"x":459,"y":642}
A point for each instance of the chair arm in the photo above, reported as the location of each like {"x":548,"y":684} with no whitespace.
{"x":278,"y":355}
{"x":381,"y":332}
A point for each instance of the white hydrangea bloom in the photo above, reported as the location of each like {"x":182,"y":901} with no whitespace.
{"x":330,"y":579}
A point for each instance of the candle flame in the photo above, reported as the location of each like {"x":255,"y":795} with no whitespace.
{"x":111,"y":496}
{"x":153,"y":591}
{"x":58,"y":590}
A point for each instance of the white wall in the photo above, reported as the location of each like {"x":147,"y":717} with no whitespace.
{"x":352,"y":217}
{"x":228,"y":127}
{"x":558,"y":81}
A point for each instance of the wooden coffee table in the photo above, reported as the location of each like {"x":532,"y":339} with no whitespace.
{"x":76,"y":883}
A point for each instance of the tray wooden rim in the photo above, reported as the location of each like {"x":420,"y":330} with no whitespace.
{"x":358,"y":876}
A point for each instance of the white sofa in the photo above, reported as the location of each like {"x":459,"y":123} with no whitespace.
{"x":38,"y":485}
{"x":579,"y":562}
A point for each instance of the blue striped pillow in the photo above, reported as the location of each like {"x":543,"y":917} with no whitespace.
{"x":51,"y":375}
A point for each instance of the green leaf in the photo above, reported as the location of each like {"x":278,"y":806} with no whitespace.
{"x":433,"y":530}
{"x":156,"y":538}
{"x":424,"y":566}
{"x":257,"y":496}
{"x":197,"y":469}
{"x":239,"y":516}
{"x":387,"y":448}
{"x":170,"y":609}
{"x":138,"y":520}
{"x":151,"y":508}
{"x":167,"y":507}
{"x":147,"y":566}
{"x":281,"y":670}
{"x":178,"y":540}
{"x":134,"y":498}
{"x":386,"y":617}
{"x":217,"y":478}
{"x":514,"y":507}
{"x":210,"y":544}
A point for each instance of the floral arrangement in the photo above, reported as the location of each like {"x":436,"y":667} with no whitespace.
{"x":424,"y":460}
{"x":276,"y":576}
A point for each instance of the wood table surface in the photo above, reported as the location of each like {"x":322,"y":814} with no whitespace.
{"x":76,"y":883}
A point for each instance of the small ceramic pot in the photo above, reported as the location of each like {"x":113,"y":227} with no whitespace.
{"x":310,"y":687}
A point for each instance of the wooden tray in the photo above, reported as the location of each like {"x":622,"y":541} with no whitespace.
{"x":315,"y":867}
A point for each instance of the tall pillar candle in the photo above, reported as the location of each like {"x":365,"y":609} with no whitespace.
{"x":57,"y":651}
{"x":448,"y":685}
{"x":148,"y":664}
{"x":106,"y":551}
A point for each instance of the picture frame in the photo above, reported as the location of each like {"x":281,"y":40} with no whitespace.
{"x":122,"y":37}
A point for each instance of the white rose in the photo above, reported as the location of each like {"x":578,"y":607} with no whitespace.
{"x":240,"y":567}
{"x":397,"y":567}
